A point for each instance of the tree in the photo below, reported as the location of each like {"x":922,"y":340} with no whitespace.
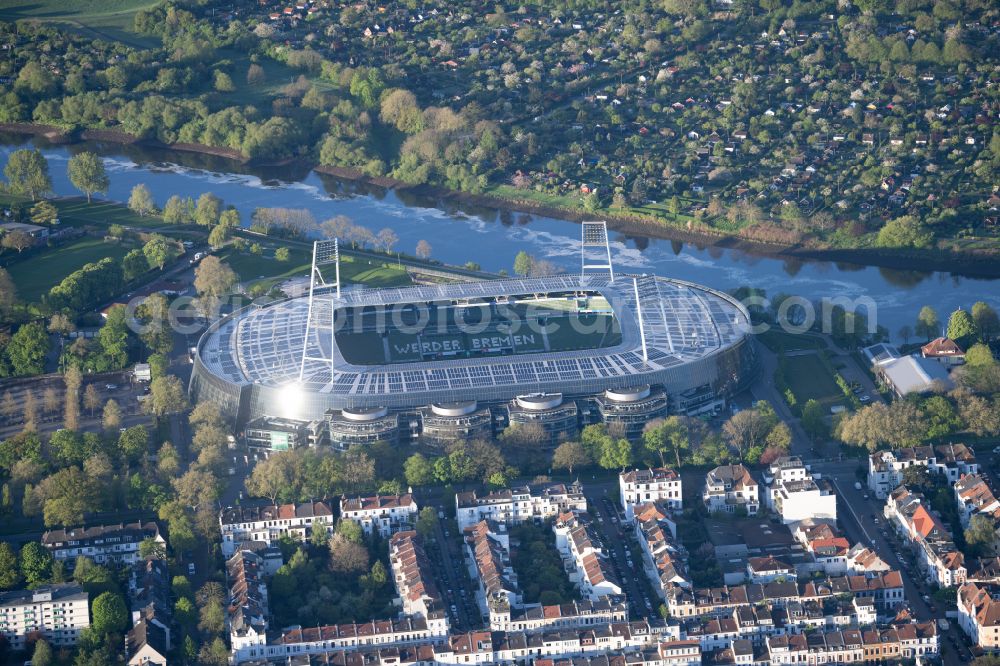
{"x":44,"y":213}
{"x":979,"y":356}
{"x":86,"y":172}
{"x":111,"y":418}
{"x":904,"y":232}
{"x":42,"y":654}
{"x":166,"y":396}
{"x":218,"y":236}
{"x":109,"y":614}
{"x":427,"y":522}
{"x":986,"y":321}
{"x":27,"y":349}
{"x":27,"y":173}
{"x":418,"y":470}
{"x":256,"y":75}
{"x":8,"y":292}
{"x":140,"y":200}
{"x":928,"y":324}
{"x":134,"y":442}
{"x":746,"y":430}
{"x":522,"y":264}
{"x":980,"y":416}
{"x":616,"y":454}
{"x":151,"y":549}
{"x":981,"y":535}
{"x":214,"y":654}
{"x":159,"y":251}
{"x":73,"y":379}
{"x":272,"y":477}
{"x":661,"y":436}
{"x":9,"y":574}
{"x":195,"y":488}
{"x":569,"y":455}
{"x":113,"y":337}
{"x":961,"y":327}
{"x":814,"y":419}
{"x":883,"y":426}
{"x":347,"y":556}
{"x":18,"y":240}
{"x":213,"y":278}
{"x":61,"y":324}
{"x":387,"y":238}
{"x":423,"y":250}
{"x":134,"y":264}
{"x":36,"y":564}
{"x":208,"y":210}
{"x":281,"y":254}
{"x":780,"y":437}
{"x":177,"y":210}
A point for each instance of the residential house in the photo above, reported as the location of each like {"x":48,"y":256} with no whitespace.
{"x":269,"y":522}
{"x":794,"y":494}
{"x":382,"y":513}
{"x":944,"y":350}
{"x":885,"y":468}
{"x":57,"y":612}
{"x":660,"y":484}
{"x":979,"y":614}
{"x":730,"y":488}
{"x":105,"y":544}
{"x":943,"y":563}
{"x":516,"y":505}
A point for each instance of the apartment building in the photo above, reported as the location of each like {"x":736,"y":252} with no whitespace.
{"x":269,"y":522}
{"x":58,"y":612}
{"x":116,"y":545}
{"x":792,"y":492}
{"x":943,"y":563}
{"x":885,"y":468}
{"x":730,"y":488}
{"x":979,"y":614}
{"x":487,"y":551}
{"x":660,"y":484}
{"x":664,"y":559}
{"x":411,"y":574}
{"x":511,"y":506}
{"x":247,"y":606}
{"x":583,"y":553}
{"x":975,"y":497}
{"x":384,"y":514}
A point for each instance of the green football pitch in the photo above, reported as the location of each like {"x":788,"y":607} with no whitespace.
{"x":551,"y":325}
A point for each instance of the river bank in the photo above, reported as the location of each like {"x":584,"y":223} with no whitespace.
{"x":970,"y":263}
{"x":985,"y":264}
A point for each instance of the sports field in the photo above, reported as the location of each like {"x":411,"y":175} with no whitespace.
{"x":371,"y":336}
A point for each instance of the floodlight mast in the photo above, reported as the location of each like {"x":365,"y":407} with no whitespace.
{"x":595,"y":234}
{"x":325,"y":252}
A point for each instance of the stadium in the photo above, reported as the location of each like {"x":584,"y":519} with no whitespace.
{"x":363,"y":357}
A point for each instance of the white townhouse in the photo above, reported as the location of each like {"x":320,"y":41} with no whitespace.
{"x":731,"y":487}
{"x":384,"y":514}
{"x":535,"y":502}
{"x":794,"y":494}
{"x":885,"y":468}
{"x":581,"y":548}
{"x":268,"y":523}
{"x":660,"y":484}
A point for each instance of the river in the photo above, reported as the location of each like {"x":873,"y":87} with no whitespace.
{"x":492,"y":238}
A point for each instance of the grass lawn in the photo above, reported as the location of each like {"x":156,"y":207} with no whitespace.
{"x":76,"y":212}
{"x":39,"y":273}
{"x":777,"y":340}
{"x":253,"y":268}
{"x":809,"y":379}
{"x":101,"y":19}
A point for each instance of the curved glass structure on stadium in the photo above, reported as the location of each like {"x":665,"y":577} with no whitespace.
{"x":680,"y":336}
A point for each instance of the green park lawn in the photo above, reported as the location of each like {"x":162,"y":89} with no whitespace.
{"x":252,"y":268}
{"x":809,"y":379}
{"x":101,"y":19}
{"x":778,"y":340}
{"x":37,"y":274}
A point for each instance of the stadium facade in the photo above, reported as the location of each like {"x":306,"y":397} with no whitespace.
{"x":371,"y":369}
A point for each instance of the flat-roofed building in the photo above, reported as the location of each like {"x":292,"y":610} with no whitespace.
{"x":56,"y":612}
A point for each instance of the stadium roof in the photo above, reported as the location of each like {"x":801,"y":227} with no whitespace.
{"x":680,"y":322}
